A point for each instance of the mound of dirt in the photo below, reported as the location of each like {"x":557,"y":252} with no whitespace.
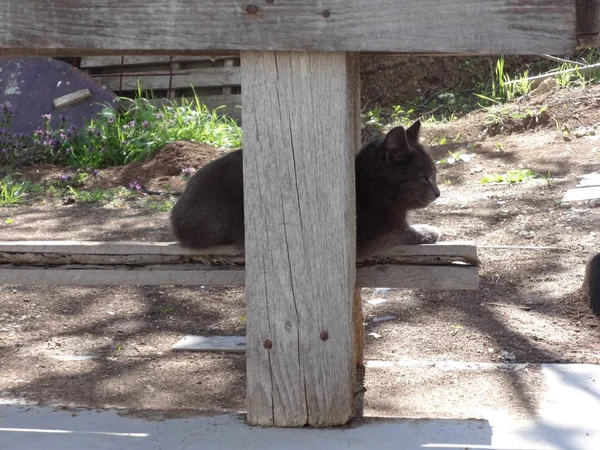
{"x":163,"y":170}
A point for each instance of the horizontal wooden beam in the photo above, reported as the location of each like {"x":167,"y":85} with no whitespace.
{"x":388,"y":275}
{"x":147,"y":252}
{"x":63,"y":263}
{"x":116,"y":27}
{"x":193,"y":78}
{"x":97,"y":62}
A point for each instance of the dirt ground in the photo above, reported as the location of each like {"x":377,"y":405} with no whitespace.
{"x":432,"y":355}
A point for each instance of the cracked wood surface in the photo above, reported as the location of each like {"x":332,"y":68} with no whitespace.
{"x":299,"y":119}
{"x":109,"y":27}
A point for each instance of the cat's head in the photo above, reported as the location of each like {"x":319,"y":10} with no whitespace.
{"x":400,"y":160}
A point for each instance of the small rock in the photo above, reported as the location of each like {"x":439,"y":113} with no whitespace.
{"x":384,"y":318}
{"x":379,"y":291}
{"x":69,"y":200}
{"x":376,"y":301}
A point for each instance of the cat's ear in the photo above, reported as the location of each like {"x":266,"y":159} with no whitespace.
{"x":395,"y":145}
{"x":414,"y":132}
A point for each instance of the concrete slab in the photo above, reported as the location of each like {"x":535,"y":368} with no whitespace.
{"x":235,"y":344}
{"x":567,"y":420}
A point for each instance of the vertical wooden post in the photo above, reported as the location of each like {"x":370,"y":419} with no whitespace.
{"x":300,"y":115}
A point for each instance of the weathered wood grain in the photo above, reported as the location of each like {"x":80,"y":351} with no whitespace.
{"x":588,"y":23}
{"x":205,"y":77}
{"x":299,"y":146}
{"x":76,"y":275}
{"x":148,"y":263}
{"x":95,"y":27}
{"x":419,"y":277}
{"x":72,"y":98}
{"x":388,"y":275}
{"x":445,"y":249}
{"x":93,"y":62}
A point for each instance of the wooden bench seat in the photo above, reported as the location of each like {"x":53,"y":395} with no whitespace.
{"x":442,"y":266}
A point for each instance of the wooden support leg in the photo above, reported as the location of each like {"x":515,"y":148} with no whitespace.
{"x":591,"y":283}
{"x":359,"y":347}
{"x":300,"y":117}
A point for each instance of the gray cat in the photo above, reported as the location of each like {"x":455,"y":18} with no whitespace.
{"x":393,"y":175}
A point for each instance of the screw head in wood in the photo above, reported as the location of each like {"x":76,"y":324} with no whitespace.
{"x":324,"y":335}
{"x":270,"y":1}
{"x":251,"y":9}
{"x":326,"y":14}
{"x":268,"y":344}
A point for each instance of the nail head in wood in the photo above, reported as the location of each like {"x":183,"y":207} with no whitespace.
{"x":251,"y":9}
{"x":326,"y":14}
{"x":324,"y":335}
{"x":268,"y":344}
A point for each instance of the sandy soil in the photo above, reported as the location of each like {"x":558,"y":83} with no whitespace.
{"x":529,"y":308}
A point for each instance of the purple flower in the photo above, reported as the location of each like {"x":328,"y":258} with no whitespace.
{"x":95,"y":172}
{"x":145,"y":124}
{"x":132,"y":123}
{"x":187,"y":170}
{"x":4,"y":150}
{"x":62,"y":117}
{"x":111,"y":120}
{"x":158,"y":116}
{"x":47,"y":117}
{"x":64,"y":177}
{"x":135,"y":185}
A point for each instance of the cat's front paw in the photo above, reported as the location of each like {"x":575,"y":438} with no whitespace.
{"x":427,"y":233}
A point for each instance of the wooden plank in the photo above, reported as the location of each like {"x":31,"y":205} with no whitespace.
{"x":205,"y":77}
{"x":230,"y":344}
{"x":96,"y":27}
{"x":89,"y":62}
{"x":591,"y":283}
{"x":580,"y":194}
{"x":588,"y":23}
{"x":419,"y":277}
{"x":444,"y":249}
{"x":299,"y":204}
{"x":388,"y":275}
{"x":109,"y":248}
{"x":72,"y":98}
{"x":85,"y":276}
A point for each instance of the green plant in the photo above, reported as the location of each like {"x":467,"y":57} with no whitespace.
{"x":512,"y":176}
{"x":455,"y":157}
{"x":159,"y":204}
{"x":373,"y":118}
{"x":118,"y":137}
{"x":11,"y":191}
{"x":401,"y":116}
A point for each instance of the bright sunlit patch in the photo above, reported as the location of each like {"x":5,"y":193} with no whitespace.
{"x":103,"y":433}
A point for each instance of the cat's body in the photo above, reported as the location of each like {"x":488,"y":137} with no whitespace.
{"x":393,"y":176}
